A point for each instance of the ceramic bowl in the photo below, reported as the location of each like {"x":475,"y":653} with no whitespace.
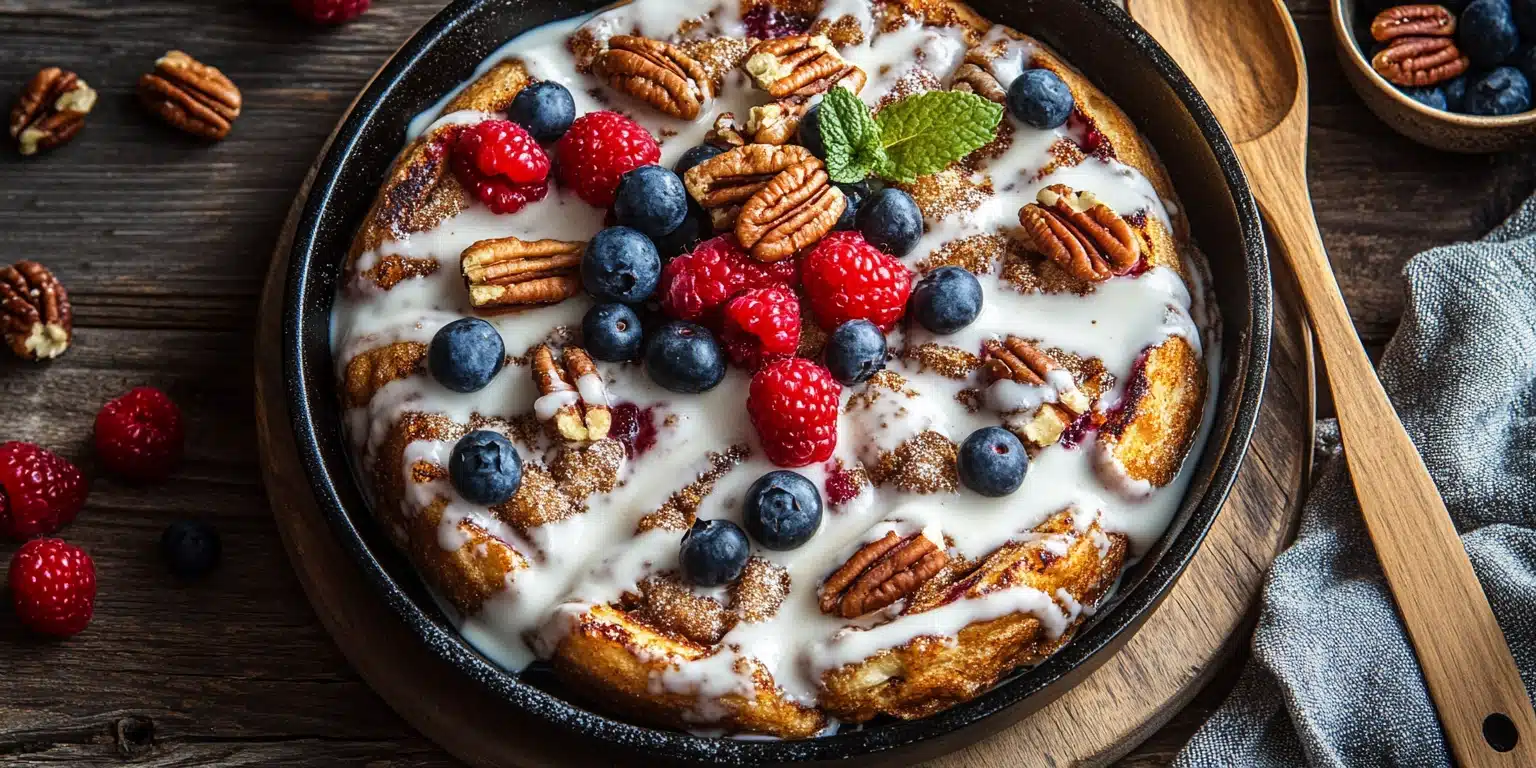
{"x":1094,"y":34}
{"x":1450,"y":131}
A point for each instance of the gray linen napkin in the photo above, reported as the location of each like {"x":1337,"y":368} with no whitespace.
{"x":1333,"y":680}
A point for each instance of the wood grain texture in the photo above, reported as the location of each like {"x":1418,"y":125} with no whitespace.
{"x":163,"y":242}
{"x":1261,"y":99}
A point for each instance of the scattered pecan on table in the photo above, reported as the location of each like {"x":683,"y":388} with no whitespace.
{"x":190,"y":95}
{"x":36,"y":318}
{"x":50,"y":110}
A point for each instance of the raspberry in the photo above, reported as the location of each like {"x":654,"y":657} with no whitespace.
{"x":599,"y":148}
{"x":846,"y":279}
{"x":138,"y":435}
{"x":53,"y":587}
{"x":843,"y":486}
{"x":330,"y":11}
{"x":501,"y":163}
{"x":696,"y":283}
{"x":793,"y":404}
{"x":766,"y":22}
{"x":635,"y":427}
{"x":39,"y":491}
{"x":761,"y":324}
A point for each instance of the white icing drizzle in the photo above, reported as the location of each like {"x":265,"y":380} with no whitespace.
{"x":593,"y":557}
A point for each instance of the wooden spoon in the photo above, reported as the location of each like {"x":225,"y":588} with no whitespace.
{"x":1245,"y":57}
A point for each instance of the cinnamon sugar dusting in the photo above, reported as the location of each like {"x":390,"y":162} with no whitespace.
{"x":947,"y":361}
{"x":677,"y":512}
{"x":757,"y":595}
{"x":921,"y":464}
{"x":950,"y":192}
{"x":977,"y":254}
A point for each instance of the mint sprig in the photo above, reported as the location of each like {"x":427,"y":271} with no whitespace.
{"x":919,"y":135}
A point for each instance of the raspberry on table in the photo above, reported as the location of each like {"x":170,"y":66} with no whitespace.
{"x":793,"y":405}
{"x":53,"y":587}
{"x":40,"y":491}
{"x":846,"y":278}
{"x":502,"y":164}
{"x":139,"y":435}
{"x":761,"y":324}
{"x":330,"y":11}
{"x":696,"y":283}
{"x":597,"y":150}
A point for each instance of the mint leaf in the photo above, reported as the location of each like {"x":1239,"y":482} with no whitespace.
{"x":925,"y":132}
{"x":850,"y":135}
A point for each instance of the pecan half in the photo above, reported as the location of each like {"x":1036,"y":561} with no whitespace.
{"x":509,"y":273}
{"x":881,"y":573}
{"x":730,"y":178}
{"x":1413,"y":21}
{"x":36,"y":319}
{"x":658,"y":73}
{"x":799,"y":67}
{"x":1081,"y":234}
{"x":573,"y":403}
{"x":1020,"y":361}
{"x":794,"y":210}
{"x":1420,"y":61}
{"x":973,"y":79}
{"x":50,"y":110}
{"x":190,"y":95}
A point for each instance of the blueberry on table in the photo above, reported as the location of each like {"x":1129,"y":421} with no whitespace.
{"x":620,"y":264}
{"x":1504,"y":91}
{"x":652,"y":200}
{"x":809,"y":132}
{"x":992,"y":462}
{"x":855,"y":351}
{"x":714,"y":553}
{"x":612,"y":333}
{"x":683,"y":357}
{"x":854,"y":194}
{"x":545,"y":108}
{"x":694,"y":156}
{"x":890,"y":220}
{"x":1432,"y":97}
{"x":190,"y":548}
{"x":782,"y":510}
{"x":466,"y":354}
{"x":1486,"y":32}
{"x":485,"y":468}
{"x":1040,"y":98}
{"x":947,"y":299}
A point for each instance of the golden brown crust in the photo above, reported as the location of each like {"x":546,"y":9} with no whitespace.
{"x":1157,"y":420}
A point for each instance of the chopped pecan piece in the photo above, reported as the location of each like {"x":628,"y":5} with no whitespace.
{"x":724,"y":132}
{"x":573,"y":402}
{"x":1020,"y":361}
{"x":655,"y":72}
{"x":800,"y":66}
{"x":1413,"y":21}
{"x":881,"y":573}
{"x":36,"y":319}
{"x":1081,"y":234}
{"x":1420,"y":61}
{"x":971,"y":78}
{"x":508,"y":273}
{"x":50,"y":110}
{"x":190,"y":95}
{"x":794,"y":210}
{"x":732,"y":177}
{"x":774,"y":123}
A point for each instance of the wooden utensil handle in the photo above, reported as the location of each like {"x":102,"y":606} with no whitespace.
{"x":1467,"y":665}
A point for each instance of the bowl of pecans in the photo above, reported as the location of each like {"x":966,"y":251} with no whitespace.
{"x":1455,"y":76}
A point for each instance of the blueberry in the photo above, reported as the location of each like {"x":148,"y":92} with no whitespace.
{"x":694,"y":156}
{"x":1525,"y":19}
{"x":809,"y":132}
{"x":992,"y":462}
{"x":1456,"y":94}
{"x":1040,"y":98}
{"x":855,"y":195}
{"x":466,"y":354}
{"x":714,"y":553}
{"x":683,"y":357}
{"x":1432,"y":97}
{"x":1504,"y":91}
{"x":620,"y":264}
{"x":889,"y":220}
{"x":1486,"y":32}
{"x":782,"y":510}
{"x":695,"y":229}
{"x":948,"y":299}
{"x":855,"y":351}
{"x":652,"y":200}
{"x":485,"y":468}
{"x":545,"y":108}
{"x":612,"y":332}
{"x":190,"y":548}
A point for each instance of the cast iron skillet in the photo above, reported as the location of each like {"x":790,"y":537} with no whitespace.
{"x":1093,"y":35}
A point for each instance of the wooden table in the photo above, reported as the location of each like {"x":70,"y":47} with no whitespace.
{"x":163,"y":242}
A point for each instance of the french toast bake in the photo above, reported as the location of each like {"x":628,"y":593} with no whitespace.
{"x":1090,"y":346}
